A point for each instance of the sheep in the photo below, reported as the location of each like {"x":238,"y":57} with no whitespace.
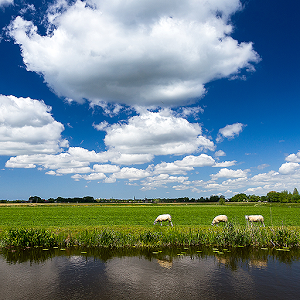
{"x":165,"y":217}
{"x":218,"y":219}
{"x":255,"y":218}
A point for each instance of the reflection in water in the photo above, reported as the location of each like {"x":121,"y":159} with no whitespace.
{"x":165,"y":263}
{"x":172,"y":273}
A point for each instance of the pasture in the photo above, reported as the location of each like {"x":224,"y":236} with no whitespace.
{"x":72,"y":215}
{"x":94,"y":225}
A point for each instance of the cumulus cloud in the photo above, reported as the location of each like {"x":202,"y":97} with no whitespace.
{"x":155,"y":133}
{"x":203,"y":160}
{"x":230,"y":131}
{"x":188,"y":163}
{"x":228,"y":173}
{"x":154,"y":182}
{"x":75,"y":157}
{"x":293,"y":157}
{"x":220,"y":153}
{"x":130,"y":159}
{"x":131,"y":173}
{"x":136,"y":141}
{"x":106,"y":168}
{"x":225,"y":164}
{"x":27,"y":127}
{"x":288,"y":168}
{"x":137,"y":52}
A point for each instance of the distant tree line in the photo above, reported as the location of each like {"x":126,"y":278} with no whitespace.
{"x":282,"y":197}
{"x":86,"y":199}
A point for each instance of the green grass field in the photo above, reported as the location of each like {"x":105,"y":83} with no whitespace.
{"x":132,"y":225}
{"x":141,"y":215}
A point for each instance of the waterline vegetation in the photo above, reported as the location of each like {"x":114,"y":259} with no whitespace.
{"x":229,"y":235}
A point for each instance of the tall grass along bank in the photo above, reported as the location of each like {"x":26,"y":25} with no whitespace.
{"x":230,"y":235}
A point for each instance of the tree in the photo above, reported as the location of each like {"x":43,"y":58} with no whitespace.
{"x":273,"y":196}
{"x":214,"y":198}
{"x":222,"y":200}
{"x":254,"y":198}
{"x":239,"y":198}
{"x":295,"y":192}
{"x":285,"y":197}
{"x":35,"y":199}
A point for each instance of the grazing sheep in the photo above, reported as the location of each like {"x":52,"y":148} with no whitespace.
{"x":255,"y":218}
{"x":162,"y":218}
{"x":218,"y":219}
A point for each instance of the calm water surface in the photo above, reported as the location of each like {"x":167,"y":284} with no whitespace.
{"x":149,"y":274}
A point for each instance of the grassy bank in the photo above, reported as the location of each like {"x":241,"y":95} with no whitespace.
{"x":118,"y":236}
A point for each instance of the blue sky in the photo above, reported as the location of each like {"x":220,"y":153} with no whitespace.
{"x":142,"y":99}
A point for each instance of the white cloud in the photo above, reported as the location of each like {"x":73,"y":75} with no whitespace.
{"x":262,"y":166}
{"x":106,"y":168}
{"x":130,"y":159}
{"x":156,"y":133}
{"x":51,"y":173}
{"x":137,"y":52}
{"x":27,"y":127}
{"x":203,"y":160}
{"x":75,"y":157}
{"x":136,"y":142}
{"x":131,"y":173}
{"x":228,"y":173}
{"x":181,"y":187}
{"x":74,"y":170}
{"x":93,"y":176}
{"x":230,"y":131}
{"x":191,"y":111}
{"x":293,"y":157}
{"x":225,"y":164}
{"x":288,"y":168}
{"x":6,"y":2}
{"x":151,"y":183}
{"x":171,"y":168}
{"x":220,"y":153}
{"x":101,"y":126}
{"x":188,"y":163}
{"x":264,"y":178}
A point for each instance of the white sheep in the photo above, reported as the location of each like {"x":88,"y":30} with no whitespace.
{"x":165,"y":217}
{"x":255,"y":218}
{"x":218,"y":219}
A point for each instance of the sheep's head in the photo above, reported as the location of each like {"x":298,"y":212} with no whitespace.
{"x":246,"y":217}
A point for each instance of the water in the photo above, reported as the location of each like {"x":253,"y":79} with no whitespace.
{"x":149,"y":274}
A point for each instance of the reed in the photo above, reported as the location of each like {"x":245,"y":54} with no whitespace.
{"x":230,"y":235}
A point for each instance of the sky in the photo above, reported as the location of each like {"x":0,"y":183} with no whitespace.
{"x":140,"y":98}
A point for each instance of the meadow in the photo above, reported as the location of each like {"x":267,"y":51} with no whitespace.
{"x":86,"y":215}
{"x":132,"y":225}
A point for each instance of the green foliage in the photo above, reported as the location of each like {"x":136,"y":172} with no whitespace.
{"x":22,"y":237}
{"x":35,"y":199}
{"x":231,"y":235}
{"x":222,"y":201}
{"x":239,"y":198}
